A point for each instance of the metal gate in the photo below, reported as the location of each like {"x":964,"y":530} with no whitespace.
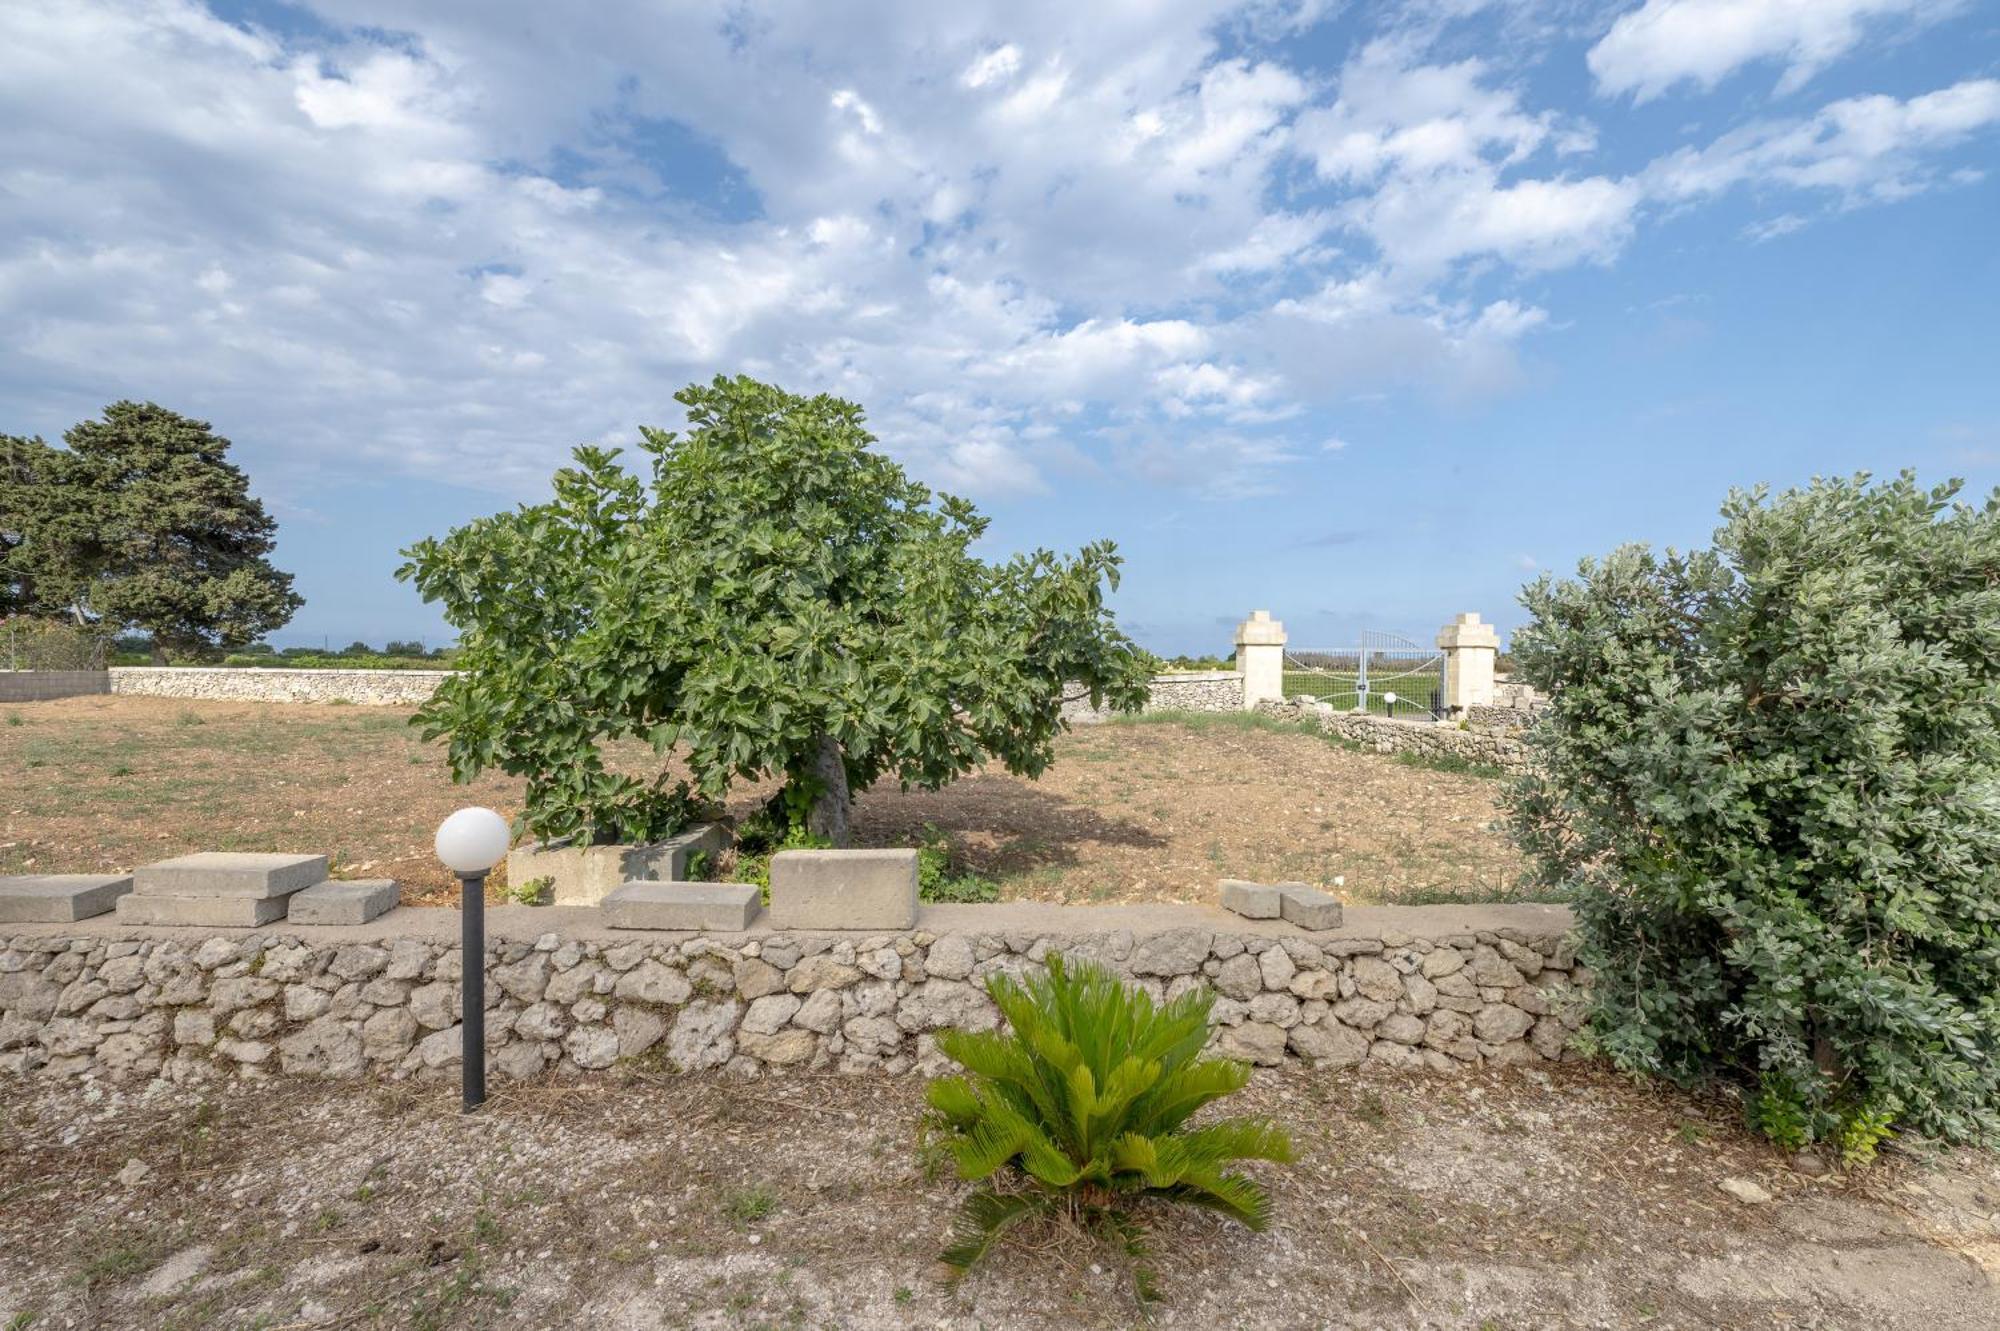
{"x":1385,"y":673}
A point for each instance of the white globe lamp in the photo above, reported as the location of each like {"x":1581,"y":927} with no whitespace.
{"x":470,"y":843}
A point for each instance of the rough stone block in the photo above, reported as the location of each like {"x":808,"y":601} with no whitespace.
{"x":1308,"y":907}
{"x":709,"y":907}
{"x":206,"y":912}
{"x":1253,"y":901}
{"x":585,"y":875}
{"x":215,"y":873}
{"x":59,"y":898}
{"x":353,"y":901}
{"x":844,"y":889}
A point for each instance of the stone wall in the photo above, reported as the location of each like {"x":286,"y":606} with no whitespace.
{"x":1502,"y":748}
{"x":1187,"y":691}
{"x":405,"y":688}
{"x":43,"y":685}
{"x":1193,"y":691}
{"x":1437,"y":988}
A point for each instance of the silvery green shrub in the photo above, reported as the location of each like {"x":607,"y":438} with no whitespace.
{"x":1770,"y":779}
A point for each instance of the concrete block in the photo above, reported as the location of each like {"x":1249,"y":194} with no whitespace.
{"x":216,"y":873}
{"x":1253,"y":901}
{"x":585,"y":875}
{"x":202,"y":912}
{"x":1308,"y":907}
{"x":59,"y":898}
{"x":844,"y":889}
{"x":708,"y":907}
{"x":352,"y":901}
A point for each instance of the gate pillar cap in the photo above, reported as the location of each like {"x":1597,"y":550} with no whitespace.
{"x":1260,"y":630}
{"x":1468,"y":631}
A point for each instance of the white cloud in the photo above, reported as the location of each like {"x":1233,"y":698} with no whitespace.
{"x":1436,"y":152}
{"x":1863,"y":148}
{"x":1665,"y":42}
{"x":1784,"y":224}
{"x":440,"y":240}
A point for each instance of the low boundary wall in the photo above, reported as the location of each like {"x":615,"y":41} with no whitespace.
{"x":1433,"y":987}
{"x":1186,"y":691}
{"x":1502,"y":748}
{"x":46,"y":685}
{"x":1194,"y":691}
{"x":405,"y":688}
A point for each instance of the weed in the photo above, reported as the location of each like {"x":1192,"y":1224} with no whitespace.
{"x":1453,"y":763}
{"x":121,"y":770}
{"x":904,"y":1294}
{"x":485,"y":1228}
{"x":752,"y":1203}
{"x":119,"y":1263}
{"x":534,"y":892}
{"x":327,"y":1219}
{"x":14,"y":719}
{"x":190,"y":718}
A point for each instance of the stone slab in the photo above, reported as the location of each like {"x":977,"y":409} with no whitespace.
{"x":844,"y":889}
{"x":1308,"y":907}
{"x":349,"y":901}
{"x":710,"y":907}
{"x":585,"y":875}
{"x":59,"y":898}
{"x":202,"y":912}
{"x":235,"y":874}
{"x":1253,"y":901}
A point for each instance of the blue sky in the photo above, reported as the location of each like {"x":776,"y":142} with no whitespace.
{"x":1358,"y":313}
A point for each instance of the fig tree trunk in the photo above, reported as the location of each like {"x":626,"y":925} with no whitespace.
{"x":828,"y":815}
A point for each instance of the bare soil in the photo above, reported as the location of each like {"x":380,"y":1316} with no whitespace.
{"x":1558,"y":1198}
{"x":1155,"y":810}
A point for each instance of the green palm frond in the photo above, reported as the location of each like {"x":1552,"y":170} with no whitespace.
{"x":982,"y":1220}
{"x":953,"y":1097}
{"x":1235,"y":1196}
{"x":1089,"y":1088}
{"x":1236,"y":1139}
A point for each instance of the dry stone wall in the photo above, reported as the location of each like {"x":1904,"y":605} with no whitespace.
{"x":381,"y":688}
{"x":1188,"y":691}
{"x":1502,"y":747}
{"x":186,"y":1008}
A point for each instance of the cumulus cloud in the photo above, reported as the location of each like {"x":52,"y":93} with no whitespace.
{"x":1864,"y":149}
{"x":1663,"y":43}
{"x":453,"y":241}
{"x":1436,"y":153}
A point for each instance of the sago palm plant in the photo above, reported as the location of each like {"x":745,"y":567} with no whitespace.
{"x":1086,"y":1097}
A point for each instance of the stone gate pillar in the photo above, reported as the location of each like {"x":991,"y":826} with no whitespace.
{"x":1470,"y":649}
{"x":1260,"y":658}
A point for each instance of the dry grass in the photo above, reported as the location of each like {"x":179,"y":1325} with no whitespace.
{"x":1559,"y":1199}
{"x":1140,"y":812}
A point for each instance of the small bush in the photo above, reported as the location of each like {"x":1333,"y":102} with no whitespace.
{"x":1085,"y":1099}
{"x":1770,"y":774}
{"x":939,"y":881}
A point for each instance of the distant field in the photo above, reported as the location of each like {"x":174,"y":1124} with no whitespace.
{"x":1414,"y":693}
{"x":1150,"y":809}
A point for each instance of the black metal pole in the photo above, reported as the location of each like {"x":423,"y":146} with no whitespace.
{"x":472,"y":987}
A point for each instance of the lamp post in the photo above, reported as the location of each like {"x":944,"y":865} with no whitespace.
{"x":470,"y":843}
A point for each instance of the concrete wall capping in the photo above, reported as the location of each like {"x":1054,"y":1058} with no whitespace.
{"x":1437,"y":988}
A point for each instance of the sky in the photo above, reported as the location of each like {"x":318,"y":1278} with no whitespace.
{"x":1359,"y":313}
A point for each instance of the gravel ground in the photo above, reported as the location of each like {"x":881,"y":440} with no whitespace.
{"x":1565,"y":1198}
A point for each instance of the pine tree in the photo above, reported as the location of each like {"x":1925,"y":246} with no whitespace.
{"x":157,"y":529}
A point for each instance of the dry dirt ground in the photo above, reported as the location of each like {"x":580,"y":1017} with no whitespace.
{"x":1545,"y":1199}
{"x":1155,"y":810}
